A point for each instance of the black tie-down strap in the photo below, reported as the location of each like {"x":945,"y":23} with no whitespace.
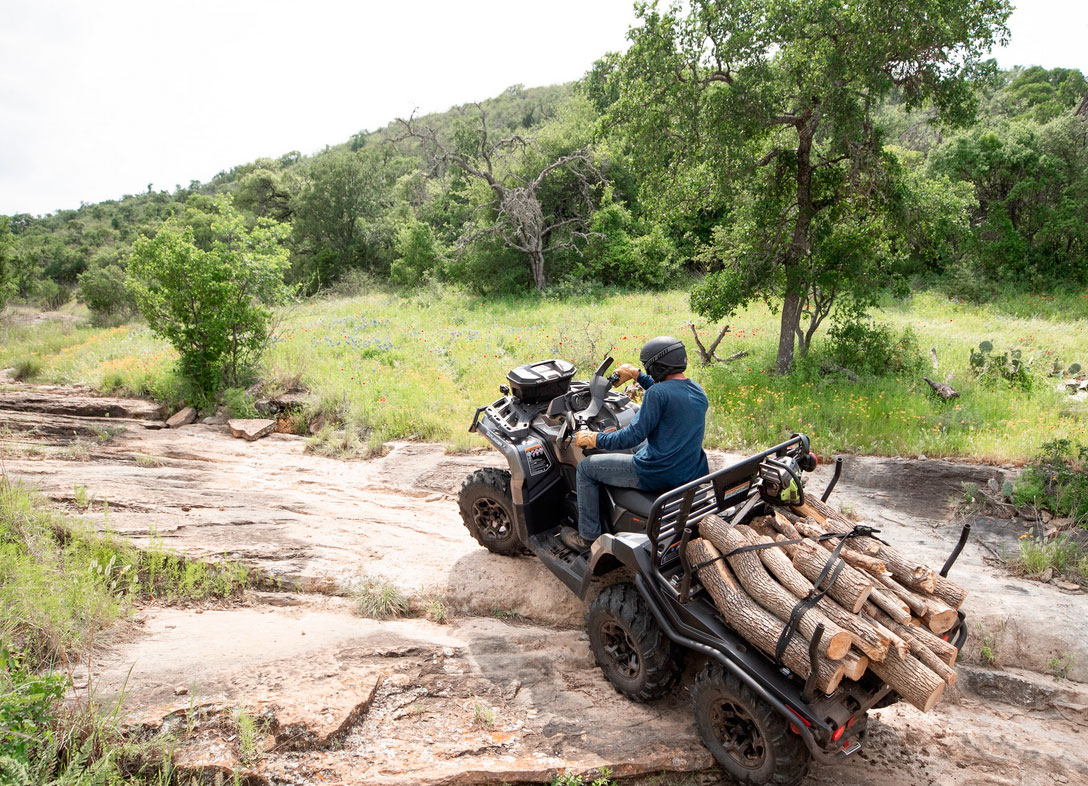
{"x":830,"y":574}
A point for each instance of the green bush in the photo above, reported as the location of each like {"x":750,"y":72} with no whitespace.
{"x":418,"y":256}
{"x":28,"y":703}
{"x":868,"y":347}
{"x":104,"y":291}
{"x":212,"y":299}
{"x":239,"y":404}
{"x":1057,"y":480}
{"x":618,"y":254}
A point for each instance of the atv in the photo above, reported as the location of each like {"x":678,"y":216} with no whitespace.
{"x":762,"y":723}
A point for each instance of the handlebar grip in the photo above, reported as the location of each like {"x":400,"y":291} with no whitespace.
{"x":613,"y":379}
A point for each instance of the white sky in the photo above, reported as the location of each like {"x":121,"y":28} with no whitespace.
{"x":100,"y":98}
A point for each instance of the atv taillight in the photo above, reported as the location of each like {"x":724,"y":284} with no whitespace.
{"x":837,"y":735}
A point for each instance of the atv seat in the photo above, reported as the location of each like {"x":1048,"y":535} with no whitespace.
{"x":637,"y":501}
{"x":640,"y":502}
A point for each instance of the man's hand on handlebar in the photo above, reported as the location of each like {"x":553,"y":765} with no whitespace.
{"x":627,"y":372}
{"x":585,"y":438}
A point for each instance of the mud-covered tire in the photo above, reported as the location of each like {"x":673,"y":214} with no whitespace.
{"x":635,"y":654}
{"x":488,"y":511}
{"x":750,"y":741}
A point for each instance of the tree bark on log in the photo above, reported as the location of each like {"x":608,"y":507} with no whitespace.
{"x":866,"y":637}
{"x":919,"y":685}
{"x":759,"y":627}
{"x":768,"y":593}
{"x":938,"y":617}
{"x":949,"y":591}
{"x":810,"y":529}
{"x":944,"y":650}
{"x":851,"y":588}
{"x":891,"y":605}
{"x":909,"y":573}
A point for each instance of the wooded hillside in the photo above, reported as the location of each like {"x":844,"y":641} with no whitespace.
{"x":970,"y":182}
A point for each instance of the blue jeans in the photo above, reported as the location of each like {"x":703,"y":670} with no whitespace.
{"x":611,"y":469}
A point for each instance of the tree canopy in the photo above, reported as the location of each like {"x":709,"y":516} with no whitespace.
{"x":761,"y":113}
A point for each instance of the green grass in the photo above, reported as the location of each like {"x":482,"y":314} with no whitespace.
{"x":61,"y":584}
{"x":384,"y":367}
{"x":1062,"y":556}
{"x":378,"y":598}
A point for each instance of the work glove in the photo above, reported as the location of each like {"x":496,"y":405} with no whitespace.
{"x":585,"y":438}
{"x":627,"y":372}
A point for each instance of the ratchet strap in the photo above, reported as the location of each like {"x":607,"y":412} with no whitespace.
{"x":829,"y":574}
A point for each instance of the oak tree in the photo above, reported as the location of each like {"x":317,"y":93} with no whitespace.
{"x":762,"y":111}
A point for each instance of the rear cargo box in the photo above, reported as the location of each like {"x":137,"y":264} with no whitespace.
{"x":536,"y":383}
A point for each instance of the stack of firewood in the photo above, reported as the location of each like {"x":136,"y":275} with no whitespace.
{"x":884,"y":613}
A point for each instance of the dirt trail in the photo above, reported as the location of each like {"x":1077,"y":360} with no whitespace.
{"x":507,"y":691}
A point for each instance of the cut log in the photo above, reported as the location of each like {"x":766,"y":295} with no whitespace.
{"x":949,"y":591}
{"x":768,"y":593}
{"x":784,"y":526}
{"x":855,"y":665}
{"x":759,"y":627}
{"x":938,"y":617}
{"x":934,"y":643}
{"x":851,"y":588}
{"x":865,"y":636}
{"x":891,"y":605}
{"x":930,"y":659}
{"x":908,"y":572}
{"x":918,"y":684}
{"x":810,"y":529}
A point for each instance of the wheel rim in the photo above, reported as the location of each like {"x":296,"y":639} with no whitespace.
{"x":491,"y":519}
{"x":738,"y":734}
{"x":616,"y":642}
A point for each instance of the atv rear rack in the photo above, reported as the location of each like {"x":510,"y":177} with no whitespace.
{"x":675,"y":515}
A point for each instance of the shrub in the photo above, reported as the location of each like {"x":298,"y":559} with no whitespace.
{"x":418,"y":255}
{"x":28,"y":702}
{"x":868,"y":347}
{"x":239,"y":404}
{"x":1057,"y":480}
{"x":104,"y":291}
{"x":380,"y":599}
{"x":211,"y":301}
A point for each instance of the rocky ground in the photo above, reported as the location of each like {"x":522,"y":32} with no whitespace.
{"x":504,"y":691}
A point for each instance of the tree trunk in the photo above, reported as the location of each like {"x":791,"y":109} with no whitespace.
{"x":799,"y":244}
{"x":536,"y":265}
{"x":791,"y":317}
{"x":759,"y":628}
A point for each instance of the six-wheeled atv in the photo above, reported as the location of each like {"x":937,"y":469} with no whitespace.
{"x":762,"y":723}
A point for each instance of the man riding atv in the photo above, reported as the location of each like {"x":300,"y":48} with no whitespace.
{"x":668,"y":429}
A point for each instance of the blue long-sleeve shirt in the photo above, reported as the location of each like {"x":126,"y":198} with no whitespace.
{"x":672,"y":421}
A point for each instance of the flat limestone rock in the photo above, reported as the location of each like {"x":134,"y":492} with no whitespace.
{"x":183,"y":417}
{"x":251,"y":429}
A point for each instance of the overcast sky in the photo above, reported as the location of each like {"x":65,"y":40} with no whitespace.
{"x":99,"y":99}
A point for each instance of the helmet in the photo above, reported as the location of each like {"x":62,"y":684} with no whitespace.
{"x":662,"y":356}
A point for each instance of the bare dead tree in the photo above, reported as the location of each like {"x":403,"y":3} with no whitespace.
{"x":518,"y":215}
{"x":707,"y":356}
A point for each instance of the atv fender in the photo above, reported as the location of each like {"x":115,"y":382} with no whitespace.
{"x":624,"y":549}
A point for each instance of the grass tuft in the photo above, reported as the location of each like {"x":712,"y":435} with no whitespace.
{"x":379,"y":598}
